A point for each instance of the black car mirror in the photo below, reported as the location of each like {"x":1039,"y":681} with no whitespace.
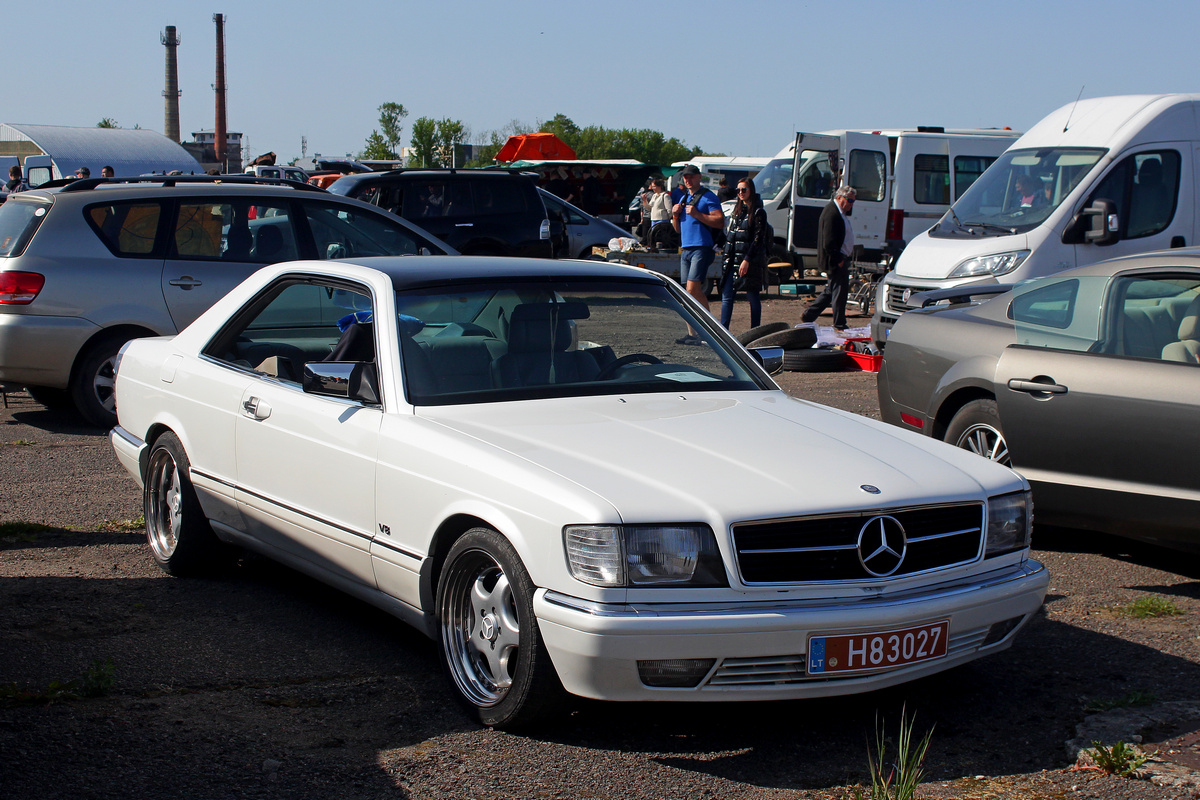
{"x":352,"y":380}
{"x":1097,"y":224}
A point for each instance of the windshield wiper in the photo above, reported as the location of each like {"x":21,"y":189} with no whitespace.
{"x":988,"y":226}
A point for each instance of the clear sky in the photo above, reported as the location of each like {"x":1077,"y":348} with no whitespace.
{"x":736,"y":77}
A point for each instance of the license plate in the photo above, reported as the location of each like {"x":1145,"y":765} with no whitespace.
{"x":878,"y":650}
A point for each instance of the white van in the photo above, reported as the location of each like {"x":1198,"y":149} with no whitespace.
{"x":713,"y":168}
{"x":1095,"y":179}
{"x":905,"y":178}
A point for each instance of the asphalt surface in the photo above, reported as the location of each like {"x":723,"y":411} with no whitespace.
{"x":262,"y":683}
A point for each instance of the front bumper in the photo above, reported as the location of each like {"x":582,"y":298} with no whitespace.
{"x":759,"y":648}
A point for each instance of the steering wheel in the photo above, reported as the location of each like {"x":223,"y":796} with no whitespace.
{"x":610,"y":369}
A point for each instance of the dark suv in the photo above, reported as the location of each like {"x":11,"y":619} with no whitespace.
{"x":88,"y":266}
{"x":478,"y":212}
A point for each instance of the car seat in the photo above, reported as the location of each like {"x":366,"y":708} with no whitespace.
{"x":1187,"y":349}
{"x":539,"y":336}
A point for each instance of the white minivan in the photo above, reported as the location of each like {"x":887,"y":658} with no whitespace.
{"x":1096,"y":179}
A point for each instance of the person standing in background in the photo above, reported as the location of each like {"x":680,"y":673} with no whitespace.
{"x":745,"y":254}
{"x":694,"y":218}
{"x":835,"y":243}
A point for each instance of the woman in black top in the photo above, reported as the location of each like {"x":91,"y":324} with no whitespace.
{"x":745,"y":254}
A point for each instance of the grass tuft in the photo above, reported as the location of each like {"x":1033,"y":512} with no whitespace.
{"x":96,"y":681}
{"x":1147,"y":607}
{"x":1120,"y":759}
{"x":896,"y":777}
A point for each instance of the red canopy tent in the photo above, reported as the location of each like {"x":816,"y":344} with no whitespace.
{"x":535,"y":147}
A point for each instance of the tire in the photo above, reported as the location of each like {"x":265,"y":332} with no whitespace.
{"x":177,"y":531}
{"x":92,"y":383}
{"x":976,"y":427}
{"x":815,"y":360}
{"x":51,"y":398}
{"x":746,"y":337}
{"x":790,"y":339}
{"x":485,"y":596}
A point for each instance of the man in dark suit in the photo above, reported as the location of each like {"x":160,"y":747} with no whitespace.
{"x":835,"y":243}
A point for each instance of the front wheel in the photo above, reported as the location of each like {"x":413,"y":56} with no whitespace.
{"x":976,"y":427}
{"x":490,"y":642}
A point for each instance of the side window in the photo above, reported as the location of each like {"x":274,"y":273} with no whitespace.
{"x":1159,"y":318}
{"x":868,"y":174}
{"x":931,"y":179}
{"x":425,"y":201}
{"x":816,"y":177}
{"x":504,"y":197}
{"x":1155,"y":189}
{"x":234,"y":231}
{"x":967,"y":170}
{"x":342,"y":232}
{"x":127,"y":229}
{"x":1049,"y":306}
{"x":1144,"y":187}
{"x":459,"y":202}
{"x":298,"y":323}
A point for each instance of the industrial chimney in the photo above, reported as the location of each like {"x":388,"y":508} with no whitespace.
{"x":171,"y":93}
{"x":220,"y":135}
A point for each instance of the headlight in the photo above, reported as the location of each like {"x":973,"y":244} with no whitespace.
{"x":1010,"y":518}
{"x":996,"y":264}
{"x":644,"y":555}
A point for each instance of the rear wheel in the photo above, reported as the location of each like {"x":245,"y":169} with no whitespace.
{"x":490,"y":642}
{"x":976,"y":427}
{"x":92,"y":384}
{"x":179,"y":535}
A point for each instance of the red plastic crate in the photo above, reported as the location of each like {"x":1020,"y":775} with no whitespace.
{"x":866,"y":361}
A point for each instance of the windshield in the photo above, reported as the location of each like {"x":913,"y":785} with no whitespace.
{"x":772,"y":178}
{"x":495,"y":342}
{"x":1018,"y":192}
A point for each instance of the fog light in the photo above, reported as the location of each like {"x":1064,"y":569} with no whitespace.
{"x":1000,"y":630}
{"x":675,"y":672}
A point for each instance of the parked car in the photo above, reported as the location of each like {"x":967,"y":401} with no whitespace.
{"x":280,"y":171}
{"x":1086,"y":382}
{"x":90,"y":265}
{"x":513,"y":459}
{"x":478,"y":212}
{"x":583,"y":231}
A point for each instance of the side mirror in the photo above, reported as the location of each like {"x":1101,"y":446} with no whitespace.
{"x":351,"y":380}
{"x":770,"y":358}
{"x":1097,"y":224}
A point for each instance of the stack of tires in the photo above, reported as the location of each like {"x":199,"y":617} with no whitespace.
{"x":799,"y":355}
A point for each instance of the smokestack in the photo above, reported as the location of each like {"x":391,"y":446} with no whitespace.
{"x":171,"y":93}
{"x":220,"y":134}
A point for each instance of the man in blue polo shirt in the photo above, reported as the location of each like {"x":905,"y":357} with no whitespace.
{"x":694,"y":217}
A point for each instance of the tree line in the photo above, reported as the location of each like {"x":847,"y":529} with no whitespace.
{"x":440,"y":142}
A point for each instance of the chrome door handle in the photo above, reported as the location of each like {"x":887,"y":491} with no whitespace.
{"x":464,"y":224}
{"x":186,"y":282}
{"x":255,"y":409}
{"x":1036,"y":387}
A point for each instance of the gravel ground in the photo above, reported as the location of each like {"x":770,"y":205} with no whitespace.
{"x":260,"y":683}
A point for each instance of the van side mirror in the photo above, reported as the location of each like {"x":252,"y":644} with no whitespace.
{"x":1096,"y":224}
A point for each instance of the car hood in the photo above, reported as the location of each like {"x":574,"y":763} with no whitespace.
{"x":934,"y":258}
{"x":723,"y":456}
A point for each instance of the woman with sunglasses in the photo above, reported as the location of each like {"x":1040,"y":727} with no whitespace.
{"x":745,"y":254}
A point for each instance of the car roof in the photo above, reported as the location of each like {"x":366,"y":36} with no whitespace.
{"x":412,"y":271}
{"x":436,"y":175}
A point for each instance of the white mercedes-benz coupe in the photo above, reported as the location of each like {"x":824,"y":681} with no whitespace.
{"x":573,"y":479}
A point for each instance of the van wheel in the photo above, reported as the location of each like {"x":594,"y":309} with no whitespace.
{"x":92,"y":385}
{"x":976,"y":427}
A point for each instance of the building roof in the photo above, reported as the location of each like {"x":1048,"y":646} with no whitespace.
{"x":128,"y":151}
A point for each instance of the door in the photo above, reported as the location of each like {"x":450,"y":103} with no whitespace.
{"x":1097,"y":415}
{"x":38,"y":170}
{"x":217,"y":243}
{"x":1152,"y":191}
{"x":306,"y":463}
{"x":823,"y":163}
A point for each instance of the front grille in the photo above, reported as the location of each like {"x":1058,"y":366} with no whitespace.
{"x":896,"y":300}
{"x":821,"y":549}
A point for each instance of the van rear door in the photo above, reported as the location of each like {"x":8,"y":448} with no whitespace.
{"x":822,"y":163}
{"x":38,"y":170}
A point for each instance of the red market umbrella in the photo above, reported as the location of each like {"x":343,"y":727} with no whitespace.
{"x":535,"y":147}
